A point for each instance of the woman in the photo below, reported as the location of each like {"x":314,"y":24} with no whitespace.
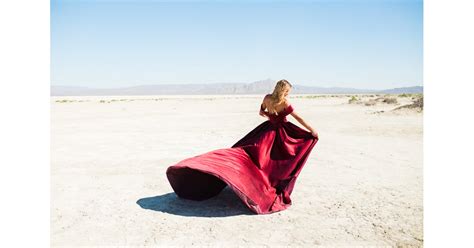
{"x":261,"y":168}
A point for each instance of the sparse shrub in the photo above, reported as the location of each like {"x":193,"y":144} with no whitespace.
{"x":314,"y":96}
{"x":354,"y":99}
{"x":417,"y":104}
{"x":370,"y":102}
{"x":390,"y":100}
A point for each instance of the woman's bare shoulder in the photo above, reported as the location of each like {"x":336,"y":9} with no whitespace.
{"x":267,"y":98}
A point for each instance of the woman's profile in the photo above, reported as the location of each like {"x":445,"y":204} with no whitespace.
{"x":261,"y":168}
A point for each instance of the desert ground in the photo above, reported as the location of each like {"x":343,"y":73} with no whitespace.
{"x":361,"y":186}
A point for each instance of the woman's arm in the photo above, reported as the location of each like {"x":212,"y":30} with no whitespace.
{"x":306,"y":125}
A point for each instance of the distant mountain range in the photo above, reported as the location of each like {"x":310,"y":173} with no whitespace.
{"x":258,"y":87}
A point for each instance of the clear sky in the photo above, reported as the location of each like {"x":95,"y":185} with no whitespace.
{"x":351,"y":43}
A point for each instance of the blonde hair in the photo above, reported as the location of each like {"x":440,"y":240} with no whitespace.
{"x":278,"y":95}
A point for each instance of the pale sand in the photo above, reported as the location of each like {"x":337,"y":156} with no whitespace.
{"x":362,"y":184}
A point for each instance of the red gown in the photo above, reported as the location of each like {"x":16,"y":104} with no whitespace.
{"x":261,"y":168}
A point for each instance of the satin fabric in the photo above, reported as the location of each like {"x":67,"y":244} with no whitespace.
{"x":261,"y":168}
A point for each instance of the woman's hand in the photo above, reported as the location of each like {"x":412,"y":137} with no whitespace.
{"x":315,"y":134}
{"x":263,"y":113}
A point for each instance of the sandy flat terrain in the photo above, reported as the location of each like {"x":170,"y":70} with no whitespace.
{"x":362,"y":184}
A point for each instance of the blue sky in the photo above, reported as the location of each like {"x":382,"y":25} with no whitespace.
{"x":359,"y":44}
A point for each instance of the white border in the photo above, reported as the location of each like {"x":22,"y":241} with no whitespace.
{"x":25,"y":133}
{"x":448,"y":123}
{"x":25,"y":108}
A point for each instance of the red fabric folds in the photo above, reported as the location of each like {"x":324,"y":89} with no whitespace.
{"x":261,"y":168}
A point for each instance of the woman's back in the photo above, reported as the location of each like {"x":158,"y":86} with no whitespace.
{"x":279,"y":109}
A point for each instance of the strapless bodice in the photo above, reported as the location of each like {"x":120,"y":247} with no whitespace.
{"x":281,"y":117}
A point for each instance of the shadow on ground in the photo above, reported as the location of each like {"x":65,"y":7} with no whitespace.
{"x":226,"y":203}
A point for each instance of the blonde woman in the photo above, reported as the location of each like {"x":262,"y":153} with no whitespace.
{"x":277,"y":102}
{"x":261,"y":168}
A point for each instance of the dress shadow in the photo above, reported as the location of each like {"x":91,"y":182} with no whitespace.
{"x":226,"y":203}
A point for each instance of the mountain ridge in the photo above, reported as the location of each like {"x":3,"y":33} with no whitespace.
{"x":257,"y":87}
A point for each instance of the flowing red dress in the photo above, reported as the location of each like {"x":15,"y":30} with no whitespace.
{"x":261,"y":168}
